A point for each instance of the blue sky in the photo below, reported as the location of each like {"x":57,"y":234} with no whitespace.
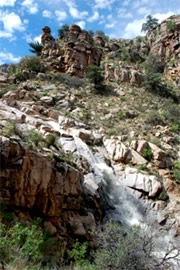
{"x":21,"y":21}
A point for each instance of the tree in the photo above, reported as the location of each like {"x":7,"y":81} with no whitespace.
{"x":149,"y":24}
{"x":131,"y":248}
{"x":102,"y":34}
{"x":63,"y":31}
{"x":36,"y":47}
{"x":94,"y":75}
{"x":91,"y":33}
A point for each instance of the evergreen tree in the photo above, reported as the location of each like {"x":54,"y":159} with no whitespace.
{"x":149,"y":24}
{"x":63,"y":31}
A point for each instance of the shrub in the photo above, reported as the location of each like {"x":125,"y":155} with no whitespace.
{"x":154,"y":118}
{"x":153,"y":83}
{"x":27,"y":245}
{"x":121,"y":249}
{"x":3,"y":91}
{"x":163,"y":196}
{"x":170,"y":25}
{"x":32,"y":64}
{"x":79,"y":253}
{"x":176,"y":171}
{"x":67,"y":79}
{"x":63,"y":31}
{"x":34,"y":138}
{"x":154,"y":64}
{"x":10,"y":128}
{"x":147,"y":153}
{"x":175,"y":128}
{"x":102,"y":34}
{"x":51,"y":139}
{"x":94,"y":75}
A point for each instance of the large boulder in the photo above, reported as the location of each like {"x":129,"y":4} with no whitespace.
{"x":147,"y":184}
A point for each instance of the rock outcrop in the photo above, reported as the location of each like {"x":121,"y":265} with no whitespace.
{"x":123,"y":73}
{"x":72,"y":55}
{"x":33,"y":184}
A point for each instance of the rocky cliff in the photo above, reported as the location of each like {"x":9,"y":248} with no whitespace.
{"x":76,"y":158}
{"x":79,"y":49}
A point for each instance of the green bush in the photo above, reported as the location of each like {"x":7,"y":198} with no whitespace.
{"x":154,"y":118}
{"x":63,"y":31}
{"x":67,"y":79}
{"x":176,"y":171}
{"x":32,"y":64}
{"x":121,"y":249}
{"x":22,"y":241}
{"x":3,"y":91}
{"x":170,"y":25}
{"x":147,"y":153}
{"x":94,"y":76}
{"x":153,"y":83}
{"x":154,"y":64}
{"x":34,"y":138}
{"x":79,"y":253}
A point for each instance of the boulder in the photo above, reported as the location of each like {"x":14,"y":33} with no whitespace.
{"x":147,"y":184}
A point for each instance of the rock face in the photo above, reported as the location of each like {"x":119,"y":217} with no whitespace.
{"x":46,"y":36}
{"x":71,"y":56}
{"x":123,"y":72}
{"x":34,"y":184}
{"x":164,"y":40}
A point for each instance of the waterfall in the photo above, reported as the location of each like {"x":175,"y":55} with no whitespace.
{"x":123,"y":206}
{"x":125,"y":209}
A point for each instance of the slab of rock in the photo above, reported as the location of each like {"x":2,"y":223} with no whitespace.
{"x":119,"y":152}
{"x":160,"y":157}
{"x":147,"y":184}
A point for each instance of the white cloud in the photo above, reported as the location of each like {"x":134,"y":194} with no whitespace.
{"x":61,"y":15}
{"x":144,"y":10}
{"x":133,"y":28}
{"x":11,"y":22}
{"x":75,"y":13}
{"x":25,"y":21}
{"x":30,"y":39}
{"x":126,"y":2}
{"x":7,"y":3}
{"x":109,"y":25}
{"x":82,"y":24}
{"x":31,"y":6}
{"x":47,"y":14}
{"x":162,"y":16}
{"x":94,"y":17}
{"x":8,"y":57}
{"x":104,"y":3}
{"x":4,"y":34}
{"x":123,"y":13}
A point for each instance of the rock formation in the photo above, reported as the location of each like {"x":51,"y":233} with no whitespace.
{"x":72,"y":56}
{"x":34,"y":185}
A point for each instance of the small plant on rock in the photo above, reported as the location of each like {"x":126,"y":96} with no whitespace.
{"x":147,"y":153}
{"x":170,"y":25}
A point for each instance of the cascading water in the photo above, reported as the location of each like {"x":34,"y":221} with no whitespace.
{"x":123,"y":206}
